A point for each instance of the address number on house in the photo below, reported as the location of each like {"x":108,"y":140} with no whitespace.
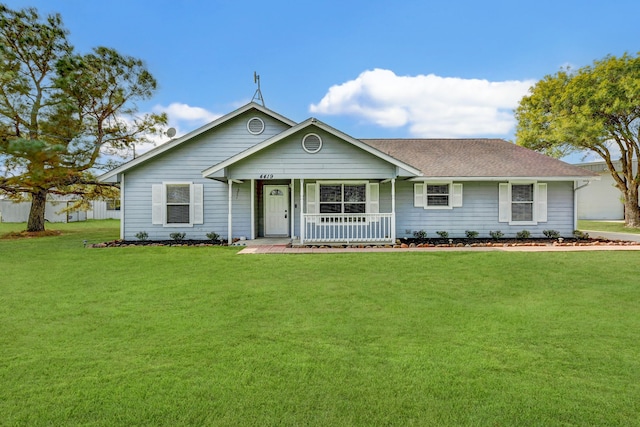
{"x":266,"y":176}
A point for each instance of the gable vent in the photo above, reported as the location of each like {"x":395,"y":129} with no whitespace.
{"x":255,"y":126}
{"x":311,"y":143}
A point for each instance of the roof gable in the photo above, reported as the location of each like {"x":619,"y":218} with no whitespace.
{"x":193,"y":134}
{"x":476,"y":158}
{"x":310,"y":124}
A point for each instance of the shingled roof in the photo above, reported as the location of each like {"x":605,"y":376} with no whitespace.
{"x":474,"y":158}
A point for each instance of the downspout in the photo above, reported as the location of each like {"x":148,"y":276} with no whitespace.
{"x":229,"y":214}
{"x":575,"y":202}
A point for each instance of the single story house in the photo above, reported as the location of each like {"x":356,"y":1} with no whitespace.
{"x":254,"y":173}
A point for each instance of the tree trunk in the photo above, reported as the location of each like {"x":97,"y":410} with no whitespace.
{"x":631,"y":209}
{"x":36,"y":214}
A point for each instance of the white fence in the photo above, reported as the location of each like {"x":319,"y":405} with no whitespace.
{"x":354,"y":228}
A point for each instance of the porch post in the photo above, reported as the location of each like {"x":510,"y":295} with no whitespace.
{"x":292,"y":197}
{"x":253,"y":209}
{"x":302,"y":225}
{"x":393,"y":210}
{"x":229,"y":214}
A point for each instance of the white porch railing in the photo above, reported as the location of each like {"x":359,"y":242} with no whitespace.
{"x":354,"y":228}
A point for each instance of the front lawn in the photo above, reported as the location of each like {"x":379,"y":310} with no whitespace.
{"x":203,"y":336}
{"x":612,"y":226}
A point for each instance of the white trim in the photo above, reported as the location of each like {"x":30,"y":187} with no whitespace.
{"x":249,"y":128}
{"x":426,"y":195}
{"x":159,"y":204}
{"x":539,"y":206}
{"x":502,"y":178}
{"x":454,"y":194}
{"x":343,"y":182}
{"x":304,"y":147}
{"x":265,"y":196}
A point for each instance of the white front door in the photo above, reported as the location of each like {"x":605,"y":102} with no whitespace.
{"x":276,"y":210}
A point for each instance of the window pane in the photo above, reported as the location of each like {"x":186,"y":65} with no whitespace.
{"x":522,"y":193}
{"x":113,"y":205}
{"x":178,"y":214}
{"x":330,"y":208}
{"x":522,"y":212}
{"x":354,"y":208}
{"x":178,"y":193}
{"x":438,"y":189}
{"x":355,"y":193}
{"x":331,"y":193}
{"x":437,"y":200}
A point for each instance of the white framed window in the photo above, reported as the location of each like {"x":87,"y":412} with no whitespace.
{"x":522,"y":202}
{"x":177,"y":204}
{"x":343,"y":197}
{"x":437,"y":195}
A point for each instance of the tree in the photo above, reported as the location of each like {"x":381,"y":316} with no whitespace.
{"x":60,"y":111}
{"x":596,"y":108}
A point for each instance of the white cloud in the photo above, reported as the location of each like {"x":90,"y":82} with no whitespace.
{"x":179,"y":112}
{"x":429,"y":105}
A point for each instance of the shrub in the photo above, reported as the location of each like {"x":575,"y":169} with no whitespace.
{"x":551,"y":234}
{"x":177,"y":236}
{"x":420,"y":234}
{"x":524,"y":234}
{"x":213,"y":236}
{"x":496,"y":235}
{"x":443,"y":234}
{"x":471,"y":234}
{"x":142,"y":235}
{"x":581,"y":235}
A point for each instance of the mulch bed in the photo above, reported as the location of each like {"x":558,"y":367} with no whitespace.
{"x":30,"y":234}
{"x":401,"y":243}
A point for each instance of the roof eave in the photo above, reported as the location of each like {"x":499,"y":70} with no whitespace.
{"x":506,"y":178}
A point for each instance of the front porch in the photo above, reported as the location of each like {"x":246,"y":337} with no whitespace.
{"x":297,"y":209}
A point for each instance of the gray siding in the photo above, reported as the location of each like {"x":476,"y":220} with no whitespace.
{"x":479,"y":212}
{"x":336,"y":160}
{"x":186,"y":163}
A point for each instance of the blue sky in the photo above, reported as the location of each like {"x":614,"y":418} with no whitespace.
{"x":403,"y":68}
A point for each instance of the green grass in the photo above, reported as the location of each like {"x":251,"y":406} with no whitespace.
{"x":203,"y":336}
{"x":613,"y":226}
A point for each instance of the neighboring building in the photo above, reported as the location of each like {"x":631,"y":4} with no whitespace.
{"x":254,"y":173}
{"x":601,"y":199}
{"x":11,"y":211}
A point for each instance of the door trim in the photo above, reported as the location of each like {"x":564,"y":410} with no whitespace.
{"x":267,"y":189}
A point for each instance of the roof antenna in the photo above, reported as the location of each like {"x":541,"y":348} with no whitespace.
{"x":258,"y":95}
